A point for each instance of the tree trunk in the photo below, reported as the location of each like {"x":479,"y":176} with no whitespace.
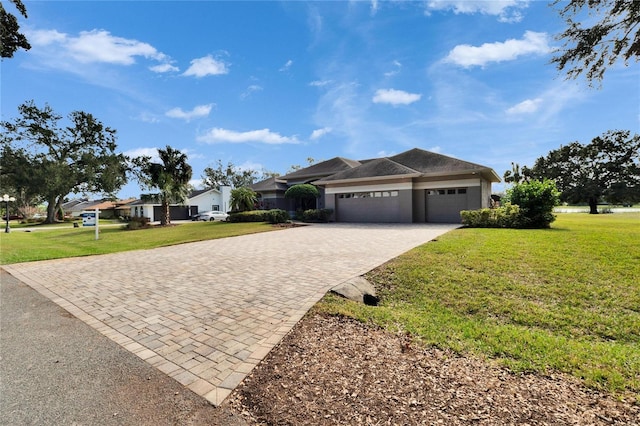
{"x":166,"y":216}
{"x":593,"y":205}
{"x":51,"y":210}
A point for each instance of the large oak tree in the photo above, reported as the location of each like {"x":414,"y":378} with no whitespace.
{"x":48,"y":161}
{"x":608,"y":168}
{"x":229,"y":175}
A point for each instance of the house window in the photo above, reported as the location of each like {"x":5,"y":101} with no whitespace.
{"x":451,"y":191}
{"x":462,"y":190}
{"x":369,"y":194}
{"x":215,"y":208}
{"x":441,"y":192}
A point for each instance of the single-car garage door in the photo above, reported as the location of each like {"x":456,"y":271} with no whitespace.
{"x":444,"y":205}
{"x":374,"y":206}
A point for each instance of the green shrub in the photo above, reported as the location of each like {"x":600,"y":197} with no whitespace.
{"x":137,"y":223}
{"x":248,"y":216}
{"x":536,"y":200}
{"x":507,"y":216}
{"x":277,"y":216}
{"x":317,"y":215}
{"x":271,"y":216}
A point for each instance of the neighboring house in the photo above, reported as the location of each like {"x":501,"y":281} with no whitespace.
{"x":197,"y":202}
{"x":108,"y":209}
{"x":211,"y":199}
{"x":414,"y":186}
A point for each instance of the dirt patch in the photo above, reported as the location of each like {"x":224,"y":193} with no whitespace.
{"x":332,"y":370}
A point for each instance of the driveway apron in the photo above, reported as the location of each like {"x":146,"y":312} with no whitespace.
{"x":207,"y":313}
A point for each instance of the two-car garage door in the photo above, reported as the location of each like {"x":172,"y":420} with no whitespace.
{"x":371,"y":206}
{"x":440,"y":205}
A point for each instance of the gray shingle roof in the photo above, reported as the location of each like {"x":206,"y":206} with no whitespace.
{"x":430,"y":162}
{"x":324,"y":168}
{"x":270,"y":184}
{"x":374,"y":168}
{"x":412,"y":162}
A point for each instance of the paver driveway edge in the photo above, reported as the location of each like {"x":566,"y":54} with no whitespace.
{"x":207,"y":313}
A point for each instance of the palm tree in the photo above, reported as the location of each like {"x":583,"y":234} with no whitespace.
{"x":243,"y":199}
{"x":171,"y":178}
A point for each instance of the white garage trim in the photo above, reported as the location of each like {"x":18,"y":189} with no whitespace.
{"x":447,"y":184}
{"x":370,"y":188}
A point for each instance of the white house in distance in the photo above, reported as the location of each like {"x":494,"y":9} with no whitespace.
{"x":197,"y":202}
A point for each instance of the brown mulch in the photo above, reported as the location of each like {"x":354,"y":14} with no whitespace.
{"x":333,"y":370}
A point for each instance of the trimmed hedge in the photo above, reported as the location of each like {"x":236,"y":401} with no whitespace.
{"x":507,"y":216}
{"x":271,"y":216}
{"x":317,"y":215}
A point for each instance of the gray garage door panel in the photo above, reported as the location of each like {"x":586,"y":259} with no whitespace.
{"x":370,"y":209}
{"x":445,"y":208}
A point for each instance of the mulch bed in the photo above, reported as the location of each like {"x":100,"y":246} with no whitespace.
{"x":332,"y":370}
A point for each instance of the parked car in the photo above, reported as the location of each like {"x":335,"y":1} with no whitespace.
{"x":13,"y":217}
{"x":211,"y":216}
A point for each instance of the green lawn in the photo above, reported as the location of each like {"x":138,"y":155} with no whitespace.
{"x":564,"y":299}
{"x":20,"y":246}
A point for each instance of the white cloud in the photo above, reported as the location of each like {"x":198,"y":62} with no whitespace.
{"x":202,"y":67}
{"x":266,"y":136}
{"x":525,"y":107}
{"x":197,"y":112}
{"x":147,"y":118}
{"x":531,"y":44}
{"x":398,"y":67}
{"x":144,"y":152}
{"x":318,"y":133}
{"x":395,"y":97}
{"x":374,"y":7}
{"x":506,"y":10}
{"x":95,"y":46}
{"x":162,"y":68}
{"x":286,"y":66}
{"x":320,"y":83}
{"x":197,"y":183}
{"x":251,"y":89}
{"x":45,"y":37}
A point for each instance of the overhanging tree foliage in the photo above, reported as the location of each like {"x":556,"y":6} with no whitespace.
{"x":46,"y":162}
{"x":608,"y":167}
{"x":598,"y":34}
{"x":229,"y":175}
{"x":171,"y":178}
{"x":10,"y":36}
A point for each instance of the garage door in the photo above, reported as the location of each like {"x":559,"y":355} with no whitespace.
{"x":444,"y":205}
{"x":375,"y":206}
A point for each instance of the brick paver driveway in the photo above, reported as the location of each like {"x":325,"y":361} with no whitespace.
{"x":206,"y":313}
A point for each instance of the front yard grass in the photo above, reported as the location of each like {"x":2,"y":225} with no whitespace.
{"x":41,"y":244}
{"x":563,"y":299}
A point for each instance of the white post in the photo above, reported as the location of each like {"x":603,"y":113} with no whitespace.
{"x":97,"y":221}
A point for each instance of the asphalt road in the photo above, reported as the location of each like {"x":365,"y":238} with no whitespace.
{"x":56,"y":370}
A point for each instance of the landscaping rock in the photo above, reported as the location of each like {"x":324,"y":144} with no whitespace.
{"x":357,"y":289}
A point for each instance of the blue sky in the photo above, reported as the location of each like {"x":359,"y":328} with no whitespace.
{"x":267,"y":84}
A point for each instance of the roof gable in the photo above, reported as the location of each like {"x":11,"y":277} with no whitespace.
{"x":322,"y":169}
{"x":430,"y":162}
{"x":270,"y":184}
{"x":381,"y":167}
